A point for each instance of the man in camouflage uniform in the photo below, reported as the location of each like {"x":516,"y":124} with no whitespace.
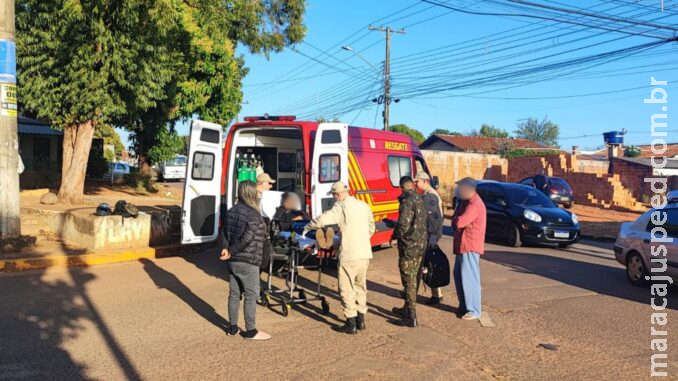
{"x":434,"y":206}
{"x":410,"y":232}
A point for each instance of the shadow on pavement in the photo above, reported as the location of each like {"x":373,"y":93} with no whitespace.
{"x":39,"y":316}
{"x":168,"y":281}
{"x":594,"y":277}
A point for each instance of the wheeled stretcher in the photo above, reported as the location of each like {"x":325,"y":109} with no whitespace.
{"x":296,"y":253}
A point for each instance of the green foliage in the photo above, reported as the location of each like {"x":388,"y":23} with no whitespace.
{"x":543,"y":132}
{"x":167,"y":144}
{"x":141,"y":183}
{"x":142,"y":64}
{"x":443,"y":131}
{"x":522,"y":152}
{"x":491,"y":131}
{"x":186,"y":141}
{"x":97,"y":165}
{"x":632,"y":151}
{"x":417,"y":136}
{"x":323,"y":120}
{"x":91,"y":61}
{"x":109,"y":155}
{"x":110,"y":136}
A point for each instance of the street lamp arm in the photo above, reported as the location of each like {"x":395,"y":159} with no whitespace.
{"x":350,"y":49}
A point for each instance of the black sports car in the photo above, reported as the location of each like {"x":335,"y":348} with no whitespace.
{"x":520,"y":213}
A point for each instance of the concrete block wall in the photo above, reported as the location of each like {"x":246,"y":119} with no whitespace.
{"x":595,"y":189}
{"x":453,"y":166}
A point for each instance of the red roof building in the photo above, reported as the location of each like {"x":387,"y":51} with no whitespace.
{"x":477,"y":144}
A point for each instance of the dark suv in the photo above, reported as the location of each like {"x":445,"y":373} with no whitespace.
{"x":557,"y":189}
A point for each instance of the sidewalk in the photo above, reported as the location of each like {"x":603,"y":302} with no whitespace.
{"x":48,"y":250}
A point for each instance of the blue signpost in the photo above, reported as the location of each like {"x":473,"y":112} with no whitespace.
{"x":8,"y":104}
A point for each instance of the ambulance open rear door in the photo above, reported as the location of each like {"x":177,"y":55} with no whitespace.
{"x":329,"y":165}
{"x":202,"y":190}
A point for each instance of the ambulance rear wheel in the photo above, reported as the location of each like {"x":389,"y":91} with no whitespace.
{"x":325,"y":306}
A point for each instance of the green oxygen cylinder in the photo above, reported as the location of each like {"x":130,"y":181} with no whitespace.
{"x":252,"y":170}
{"x":242,"y":170}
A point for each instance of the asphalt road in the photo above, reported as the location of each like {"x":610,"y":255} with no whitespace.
{"x":164,"y":319}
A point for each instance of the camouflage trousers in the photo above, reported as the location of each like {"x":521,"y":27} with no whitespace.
{"x":409,"y":263}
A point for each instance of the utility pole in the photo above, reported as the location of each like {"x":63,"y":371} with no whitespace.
{"x":10,"y":226}
{"x":387,"y":70}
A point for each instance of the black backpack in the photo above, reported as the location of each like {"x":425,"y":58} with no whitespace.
{"x":435,"y":271}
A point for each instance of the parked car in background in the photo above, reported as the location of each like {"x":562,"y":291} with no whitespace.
{"x":633,"y":247}
{"x":174,"y":169}
{"x":557,"y":189}
{"x":120,"y":169}
{"x":672,"y":197}
{"x":521,"y":214}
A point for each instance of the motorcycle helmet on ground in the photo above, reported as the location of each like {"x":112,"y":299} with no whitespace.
{"x":122,"y":208}
{"x":103,"y":210}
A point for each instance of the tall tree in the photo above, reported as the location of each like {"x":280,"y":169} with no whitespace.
{"x":443,"y":131}
{"x":491,"y":131}
{"x":411,"y":132}
{"x":80,"y":63}
{"x":543,"y":132}
{"x":140,"y":64}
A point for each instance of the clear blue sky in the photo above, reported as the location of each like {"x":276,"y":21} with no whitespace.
{"x":489,"y":51}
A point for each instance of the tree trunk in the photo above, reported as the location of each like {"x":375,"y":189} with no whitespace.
{"x":144,"y":165}
{"x":76,"y":147}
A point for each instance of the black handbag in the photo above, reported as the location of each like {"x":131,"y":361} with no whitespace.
{"x":435,"y":271}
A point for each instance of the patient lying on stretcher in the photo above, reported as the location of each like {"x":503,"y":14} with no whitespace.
{"x":289,"y":211}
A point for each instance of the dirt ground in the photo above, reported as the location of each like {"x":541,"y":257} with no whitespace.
{"x":601,"y":223}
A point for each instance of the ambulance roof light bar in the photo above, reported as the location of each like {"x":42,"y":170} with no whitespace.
{"x":282,"y":118}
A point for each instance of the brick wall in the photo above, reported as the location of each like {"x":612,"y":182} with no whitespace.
{"x":595,"y":188}
{"x":593,"y":166}
{"x":453,"y":166}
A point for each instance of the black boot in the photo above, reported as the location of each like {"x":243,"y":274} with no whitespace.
{"x":410,"y":319}
{"x":349,"y":327}
{"x":400,"y":311}
{"x":360,"y":322}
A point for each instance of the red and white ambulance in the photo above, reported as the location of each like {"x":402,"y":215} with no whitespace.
{"x":303,"y":157}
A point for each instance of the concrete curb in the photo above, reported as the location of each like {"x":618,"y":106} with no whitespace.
{"x":61,"y":261}
{"x":100,"y":258}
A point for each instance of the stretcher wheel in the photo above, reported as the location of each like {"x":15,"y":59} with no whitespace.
{"x":286,"y":308}
{"x":325,"y":306}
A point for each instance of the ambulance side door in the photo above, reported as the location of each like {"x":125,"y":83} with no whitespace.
{"x":202,"y":189}
{"x":329,"y":165}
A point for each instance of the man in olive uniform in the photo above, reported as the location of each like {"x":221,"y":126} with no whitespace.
{"x":434,"y":206}
{"x":410,"y":232}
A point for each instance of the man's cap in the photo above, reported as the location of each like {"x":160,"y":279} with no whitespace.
{"x":467,"y":181}
{"x":265,"y":178}
{"x":422,"y":176}
{"x":338,"y":187}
